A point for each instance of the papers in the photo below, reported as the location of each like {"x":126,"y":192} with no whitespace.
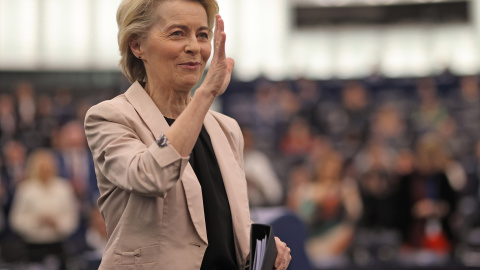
{"x":260,"y":253}
{"x":263,"y":250}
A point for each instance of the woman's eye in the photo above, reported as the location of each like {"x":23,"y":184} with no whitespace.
{"x":176,"y":33}
{"x":203,"y":35}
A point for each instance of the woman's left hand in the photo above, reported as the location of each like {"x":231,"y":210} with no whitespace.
{"x":220,"y":70}
{"x":283,"y":255}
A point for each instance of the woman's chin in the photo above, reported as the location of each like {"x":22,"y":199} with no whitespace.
{"x":189,"y":83}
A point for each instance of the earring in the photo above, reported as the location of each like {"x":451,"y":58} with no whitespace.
{"x":139,"y":57}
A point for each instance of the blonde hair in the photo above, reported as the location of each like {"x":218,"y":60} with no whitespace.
{"x":36,"y":160}
{"x":432,"y":156}
{"x":135,"y":18}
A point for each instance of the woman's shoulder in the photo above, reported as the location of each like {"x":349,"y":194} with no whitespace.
{"x":116,"y":102}
{"x":111,"y":109}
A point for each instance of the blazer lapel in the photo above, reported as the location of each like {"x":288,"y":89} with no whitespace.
{"x":147,"y":109}
{"x":232,"y":176}
{"x":157,"y":124}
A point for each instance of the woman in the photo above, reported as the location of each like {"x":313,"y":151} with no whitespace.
{"x":330,"y":205}
{"x":169,"y":192}
{"x":44,"y":211}
{"x":428,"y":200}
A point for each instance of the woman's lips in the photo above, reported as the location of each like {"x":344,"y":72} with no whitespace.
{"x":190,"y":65}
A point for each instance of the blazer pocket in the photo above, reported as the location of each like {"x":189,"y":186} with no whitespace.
{"x":138,"y":257}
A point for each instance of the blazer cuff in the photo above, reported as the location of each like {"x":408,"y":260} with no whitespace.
{"x":167,"y":155}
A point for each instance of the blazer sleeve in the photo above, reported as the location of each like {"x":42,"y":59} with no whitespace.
{"x":126,"y":161}
{"x":240,"y":146}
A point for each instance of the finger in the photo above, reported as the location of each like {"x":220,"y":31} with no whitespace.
{"x":216,"y":34}
{"x":281,"y":253}
{"x":287,"y":255}
{"x":284,"y":263}
{"x":221,"y":39}
{"x":221,"y":46}
{"x":218,"y":26}
{"x":284,"y":254}
{"x":228,"y":76}
{"x":278,"y":262}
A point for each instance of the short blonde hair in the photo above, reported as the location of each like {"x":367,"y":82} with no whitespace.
{"x":135,"y":18}
{"x":39,"y":158}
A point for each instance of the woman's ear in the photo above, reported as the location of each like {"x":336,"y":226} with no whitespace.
{"x":135,"y":47}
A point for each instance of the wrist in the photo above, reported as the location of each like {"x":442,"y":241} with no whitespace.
{"x":202,"y":94}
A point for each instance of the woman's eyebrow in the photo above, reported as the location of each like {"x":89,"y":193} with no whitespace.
{"x":185,"y":27}
{"x":201,"y":28}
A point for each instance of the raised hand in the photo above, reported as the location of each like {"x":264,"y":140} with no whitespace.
{"x":220,"y":71}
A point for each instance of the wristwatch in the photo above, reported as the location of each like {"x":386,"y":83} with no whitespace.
{"x":162,"y":141}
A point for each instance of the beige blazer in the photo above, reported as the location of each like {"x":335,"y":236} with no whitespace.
{"x":150,"y":198}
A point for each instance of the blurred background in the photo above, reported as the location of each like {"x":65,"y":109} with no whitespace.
{"x":361,"y":121}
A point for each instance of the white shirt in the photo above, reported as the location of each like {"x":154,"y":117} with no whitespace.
{"x":33,"y":200}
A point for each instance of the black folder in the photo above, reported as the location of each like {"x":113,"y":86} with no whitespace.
{"x":259,"y":232}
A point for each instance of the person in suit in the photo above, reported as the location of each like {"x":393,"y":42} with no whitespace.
{"x":170,"y":172}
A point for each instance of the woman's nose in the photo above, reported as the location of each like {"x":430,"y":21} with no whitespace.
{"x":192,"y":45}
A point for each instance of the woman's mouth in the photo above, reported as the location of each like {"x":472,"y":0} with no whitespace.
{"x":190,"y":65}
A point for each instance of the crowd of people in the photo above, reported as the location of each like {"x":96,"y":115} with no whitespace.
{"x":379,"y":170}
{"x":48,"y":189}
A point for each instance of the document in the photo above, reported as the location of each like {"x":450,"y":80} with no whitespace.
{"x":259,"y":253}
{"x":263,"y":250}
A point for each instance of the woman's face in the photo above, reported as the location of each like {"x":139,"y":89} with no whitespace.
{"x":178,"y":45}
{"x":46,"y":169}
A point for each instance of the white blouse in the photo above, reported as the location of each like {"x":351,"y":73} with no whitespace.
{"x":33,"y":200}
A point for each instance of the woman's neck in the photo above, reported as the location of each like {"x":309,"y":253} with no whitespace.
{"x":169,"y":101}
